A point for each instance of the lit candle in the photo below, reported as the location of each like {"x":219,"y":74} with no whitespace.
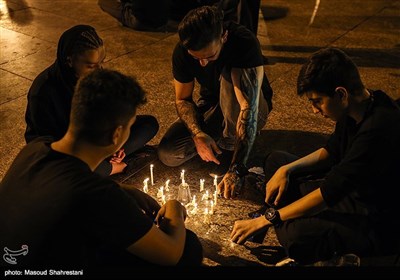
{"x":194,"y":210}
{"x":163,"y":200}
{"x":194,"y":200}
{"x":145,"y":186}
{"x":212,"y":208}
{"x":205,"y":196}
{"x":160,"y":192}
{"x":183,"y":176}
{"x":206,"y":216}
{"x":215,"y":181}
{"x":167,"y":185}
{"x":151,"y":174}
{"x":201,"y":185}
{"x":215,"y":198}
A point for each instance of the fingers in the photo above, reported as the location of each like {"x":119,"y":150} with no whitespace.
{"x":212,"y":158}
{"x":215,"y":147}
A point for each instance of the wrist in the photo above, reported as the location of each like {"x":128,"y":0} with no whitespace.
{"x":272,"y":215}
{"x":238,"y":169}
{"x":195,"y":132}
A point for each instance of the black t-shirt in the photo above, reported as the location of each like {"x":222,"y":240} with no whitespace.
{"x":366,"y":160}
{"x":241,"y":50}
{"x":62,"y":211}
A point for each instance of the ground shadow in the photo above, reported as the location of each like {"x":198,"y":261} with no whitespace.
{"x":363,"y":57}
{"x":293,"y":141}
{"x":13,"y":6}
{"x":273,"y":13}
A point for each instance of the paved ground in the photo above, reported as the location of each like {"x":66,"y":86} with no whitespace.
{"x":368,"y":30}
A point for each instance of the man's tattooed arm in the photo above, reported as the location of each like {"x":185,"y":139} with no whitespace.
{"x":185,"y":106}
{"x":188,"y":114}
{"x":250,"y":81}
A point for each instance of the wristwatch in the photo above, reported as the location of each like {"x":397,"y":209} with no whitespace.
{"x":272,"y":215}
{"x":239,"y":169}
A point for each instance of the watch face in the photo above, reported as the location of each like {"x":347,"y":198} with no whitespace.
{"x":270,"y":213}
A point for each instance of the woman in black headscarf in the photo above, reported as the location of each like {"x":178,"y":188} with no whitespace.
{"x":80,"y":51}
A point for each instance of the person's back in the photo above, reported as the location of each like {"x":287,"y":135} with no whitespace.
{"x":53,"y":206}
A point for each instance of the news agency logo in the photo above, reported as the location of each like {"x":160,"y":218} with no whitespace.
{"x":10,"y":255}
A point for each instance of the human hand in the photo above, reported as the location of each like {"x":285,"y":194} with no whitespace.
{"x":118,"y":156}
{"x":206,"y":147}
{"x":276,"y":186}
{"x":171,"y":210}
{"x":230,"y":185}
{"x":244,"y":229}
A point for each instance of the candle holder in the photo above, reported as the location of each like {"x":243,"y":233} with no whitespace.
{"x":184,"y":195}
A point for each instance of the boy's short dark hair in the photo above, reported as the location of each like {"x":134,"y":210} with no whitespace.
{"x":326,"y":70}
{"x":200,"y":27}
{"x":103,"y":100}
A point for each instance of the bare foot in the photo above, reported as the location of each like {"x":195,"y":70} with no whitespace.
{"x":117,"y":167}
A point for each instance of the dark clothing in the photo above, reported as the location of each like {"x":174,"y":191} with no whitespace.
{"x":50,"y":98}
{"x":65,"y":213}
{"x":217,"y":106}
{"x":241,"y":50}
{"x":359,"y":189}
{"x":244,"y":12}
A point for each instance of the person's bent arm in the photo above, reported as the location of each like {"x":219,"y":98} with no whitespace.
{"x":187,"y":112}
{"x":310,"y":204}
{"x":317,"y":159}
{"x":164,"y":245}
{"x":277,"y":185}
{"x":247,"y":86}
{"x":185,"y":106}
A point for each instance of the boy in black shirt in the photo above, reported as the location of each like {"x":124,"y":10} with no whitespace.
{"x":53,"y":204}
{"x":351,"y":208}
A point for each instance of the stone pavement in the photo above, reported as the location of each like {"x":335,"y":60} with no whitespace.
{"x":368,"y":30}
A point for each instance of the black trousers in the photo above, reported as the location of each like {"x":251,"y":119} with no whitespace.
{"x":142,"y":131}
{"x":339,"y":230}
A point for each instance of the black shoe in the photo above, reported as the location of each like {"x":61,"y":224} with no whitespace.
{"x":225,"y":160}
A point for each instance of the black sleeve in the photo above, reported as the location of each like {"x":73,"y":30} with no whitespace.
{"x":365,"y":161}
{"x":247,"y":49}
{"x":113,"y":216}
{"x":181,"y":68}
{"x":40,"y":115}
{"x":333,"y":145}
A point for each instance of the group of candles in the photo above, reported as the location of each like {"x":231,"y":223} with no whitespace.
{"x":209,"y":201}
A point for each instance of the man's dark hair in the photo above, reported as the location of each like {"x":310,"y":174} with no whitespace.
{"x":326,"y":70}
{"x":200,"y":27}
{"x":104,"y":100}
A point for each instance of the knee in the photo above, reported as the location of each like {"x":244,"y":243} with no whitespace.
{"x":168,"y":155}
{"x":152,"y":124}
{"x":274,"y":160}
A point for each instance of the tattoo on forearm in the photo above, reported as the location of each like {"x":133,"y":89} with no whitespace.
{"x":246,"y":127}
{"x":188,"y":114}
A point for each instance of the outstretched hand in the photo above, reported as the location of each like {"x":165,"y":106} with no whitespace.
{"x":244,"y":229}
{"x":276,"y":186}
{"x":206,"y":147}
{"x":230,"y":185}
